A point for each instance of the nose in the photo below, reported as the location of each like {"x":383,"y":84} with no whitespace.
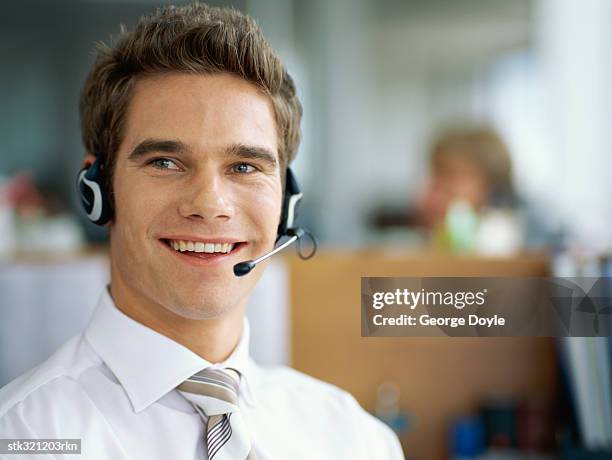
{"x":207,"y":198}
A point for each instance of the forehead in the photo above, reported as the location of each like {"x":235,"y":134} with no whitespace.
{"x":205,"y":111}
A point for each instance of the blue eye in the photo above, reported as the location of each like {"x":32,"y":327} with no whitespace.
{"x":163,"y":163}
{"x":243,"y":168}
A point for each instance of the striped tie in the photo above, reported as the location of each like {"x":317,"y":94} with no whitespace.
{"x":217,"y":397}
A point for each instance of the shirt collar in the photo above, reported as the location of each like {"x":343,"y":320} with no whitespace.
{"x":148,"y":364}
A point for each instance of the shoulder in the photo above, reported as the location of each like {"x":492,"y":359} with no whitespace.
{"x":307,"y":395}
{"x":47,"y":390}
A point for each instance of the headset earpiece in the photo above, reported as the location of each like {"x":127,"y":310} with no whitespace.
{"x":291,"y":199}
{"x":92,"y":193}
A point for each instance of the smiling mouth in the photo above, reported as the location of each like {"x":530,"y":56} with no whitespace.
{"x":202,"y":250}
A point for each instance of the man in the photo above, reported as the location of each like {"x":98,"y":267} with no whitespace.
{"x":189,"y":121}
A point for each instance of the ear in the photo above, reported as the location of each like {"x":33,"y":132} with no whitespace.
{"x":88,"y":160}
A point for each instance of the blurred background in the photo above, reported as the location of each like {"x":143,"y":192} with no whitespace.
{"x":441,"y":138}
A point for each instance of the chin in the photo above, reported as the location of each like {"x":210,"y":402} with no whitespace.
{"x":198,"y":310}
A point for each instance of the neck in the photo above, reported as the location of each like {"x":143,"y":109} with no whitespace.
{"x":212,"y":339}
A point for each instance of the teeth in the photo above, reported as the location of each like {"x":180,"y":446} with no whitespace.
{"x":198,"y":246}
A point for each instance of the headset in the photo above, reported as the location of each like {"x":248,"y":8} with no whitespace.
{"x":98,"y":207}
{"x":93,"y":195}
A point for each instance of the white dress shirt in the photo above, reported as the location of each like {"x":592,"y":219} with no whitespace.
{"x":113,"y":387}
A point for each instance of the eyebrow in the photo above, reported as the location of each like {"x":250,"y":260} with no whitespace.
{"x":247,"y":152}
{"x":157,"y":145}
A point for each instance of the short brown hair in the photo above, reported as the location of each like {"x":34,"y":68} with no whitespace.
{"x":192,"y":39}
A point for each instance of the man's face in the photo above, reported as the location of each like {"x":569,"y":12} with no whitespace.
{"x":198,"y":164}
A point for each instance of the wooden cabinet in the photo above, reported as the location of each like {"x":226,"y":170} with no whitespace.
{"x":439,"y":377}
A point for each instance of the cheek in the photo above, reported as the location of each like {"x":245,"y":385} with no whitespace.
{"x":264,"y":209}
{"x":137,"y":204}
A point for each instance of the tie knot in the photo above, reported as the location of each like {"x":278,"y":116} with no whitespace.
{"x":220,"y":384}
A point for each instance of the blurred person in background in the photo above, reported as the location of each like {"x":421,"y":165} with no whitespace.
{"x":469,"y":203}
{"x":471,"y":165}
{"x":189,"y":122}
